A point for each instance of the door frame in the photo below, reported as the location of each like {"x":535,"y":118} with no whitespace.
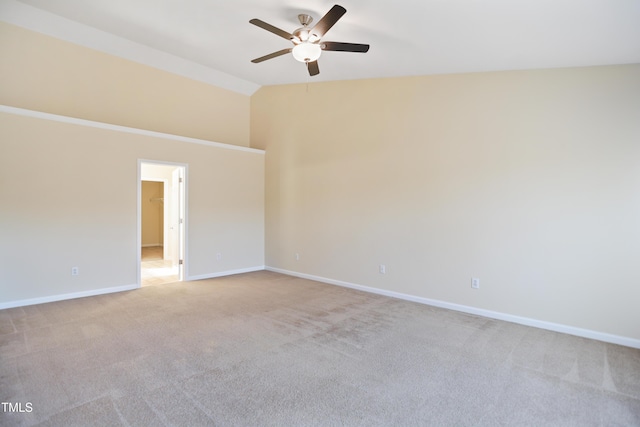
{"x":185,"y":197}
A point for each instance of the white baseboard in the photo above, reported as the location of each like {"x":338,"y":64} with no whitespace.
{"x":82,"y":294}
{"x":226,"y":273}
{"x":585,"y":333}
{"x":52,"y":298}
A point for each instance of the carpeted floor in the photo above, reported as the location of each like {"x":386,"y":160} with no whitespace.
{"x":264,"y":349}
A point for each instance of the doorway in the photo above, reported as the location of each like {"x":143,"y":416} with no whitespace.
{"x":161,"y":222}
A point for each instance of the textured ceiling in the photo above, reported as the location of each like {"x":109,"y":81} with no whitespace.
{"x":407,"y":37}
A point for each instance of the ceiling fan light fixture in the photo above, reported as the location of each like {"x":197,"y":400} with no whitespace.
{"x":307,"y":52}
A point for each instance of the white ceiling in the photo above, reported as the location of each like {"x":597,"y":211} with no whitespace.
{"x":213,"y":38}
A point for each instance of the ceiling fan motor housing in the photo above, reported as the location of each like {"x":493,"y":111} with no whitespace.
{"x":305,"y":19}
{"x":304,"y":33}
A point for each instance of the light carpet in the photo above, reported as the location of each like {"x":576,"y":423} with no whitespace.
{"x":265,"y":349}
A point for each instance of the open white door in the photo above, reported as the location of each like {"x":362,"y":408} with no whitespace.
{"x":176,"y":227}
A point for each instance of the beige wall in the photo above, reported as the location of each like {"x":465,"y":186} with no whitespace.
{"x":152,"y":216}
{"x":527,"y":180}
{"x":42,"y":73}
{"x":68,"y":197}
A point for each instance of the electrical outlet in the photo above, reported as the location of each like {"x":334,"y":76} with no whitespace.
{"x":219,"y":256}
{"x":297,"y":256}
{"x":382,"y":269}
{"x":75,"y":271}
{"x":475,"y":283}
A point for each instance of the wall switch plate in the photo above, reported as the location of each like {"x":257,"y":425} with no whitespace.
{"x":75,"y":271}
{"x":475,"y":283}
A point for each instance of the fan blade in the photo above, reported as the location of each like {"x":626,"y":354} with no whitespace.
{"x":272,"y":55}
{"x":345,"y":47}
{"x":313,"y":68}
{"x":328,"y":21}
{"x":275,"y":30}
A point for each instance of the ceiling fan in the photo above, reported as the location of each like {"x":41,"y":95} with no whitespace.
{"x":307,"y":42}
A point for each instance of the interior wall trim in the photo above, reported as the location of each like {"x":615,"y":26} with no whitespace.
{"x":555,"y":327}
{"x":99,"y":125}
{"x":61,"y":297}
{"x":94,"y":292}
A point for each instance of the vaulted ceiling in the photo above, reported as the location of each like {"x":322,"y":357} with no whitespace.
{"x":213,"y":40}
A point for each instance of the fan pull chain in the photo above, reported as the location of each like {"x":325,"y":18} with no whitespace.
{"x":308,"y":76}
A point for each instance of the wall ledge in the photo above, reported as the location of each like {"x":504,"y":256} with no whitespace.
{"x":117,"y":128}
